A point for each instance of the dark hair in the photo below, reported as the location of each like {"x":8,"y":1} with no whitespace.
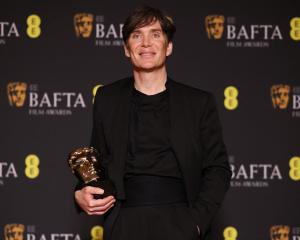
{"x":145,"y":15}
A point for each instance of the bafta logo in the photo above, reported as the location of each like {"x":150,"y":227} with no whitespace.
{"x":16,"y":93}
{"x":280,"y":232}
{"x":280,"y":96}
{"x":14,"y":231}
{"x":83,"y":23}
{"x":214,"y":25}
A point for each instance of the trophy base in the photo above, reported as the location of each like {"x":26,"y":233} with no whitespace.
{"x":106,"y":185}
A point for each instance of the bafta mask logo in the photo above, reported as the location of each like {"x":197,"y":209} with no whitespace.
{"x":280,"y":96}
{"x":83,"y":23}
{"x":16,"y":93}
{"x":280,"y":232}
{"x":214,"y":25}
{"x":14,"y":231}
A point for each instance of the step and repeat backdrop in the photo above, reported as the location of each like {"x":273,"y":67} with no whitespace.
{"x":54,"y":56}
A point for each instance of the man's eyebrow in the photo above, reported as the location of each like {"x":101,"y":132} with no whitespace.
{"x":152,"y":30}
{"x":156,"y":30}
{"x":136,"y":31}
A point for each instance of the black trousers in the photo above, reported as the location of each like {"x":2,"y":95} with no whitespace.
{"x":162,"y":222}
{"x":155,"y":209}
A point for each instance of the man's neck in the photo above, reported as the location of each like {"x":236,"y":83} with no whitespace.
{"x":150,"y":83}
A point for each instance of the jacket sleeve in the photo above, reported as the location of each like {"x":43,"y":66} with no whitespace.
{"x":216,"y":172}
{"x":97,"y":138}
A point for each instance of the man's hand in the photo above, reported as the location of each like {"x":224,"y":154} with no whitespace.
{"x":85,"y":199}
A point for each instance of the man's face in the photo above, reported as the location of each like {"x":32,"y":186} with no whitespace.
{"x":147,"y":47}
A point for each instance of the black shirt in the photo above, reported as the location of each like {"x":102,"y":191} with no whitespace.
{"x":149,"y":150}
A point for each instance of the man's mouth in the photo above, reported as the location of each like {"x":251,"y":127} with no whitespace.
{"x":147,"y":54}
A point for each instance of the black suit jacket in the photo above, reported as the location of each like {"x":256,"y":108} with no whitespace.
{"x":195,"y":135}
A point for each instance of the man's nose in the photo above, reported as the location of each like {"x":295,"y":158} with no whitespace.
{"x":146,"y":41}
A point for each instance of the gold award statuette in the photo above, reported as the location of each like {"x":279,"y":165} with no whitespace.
{"x":86,"y":165}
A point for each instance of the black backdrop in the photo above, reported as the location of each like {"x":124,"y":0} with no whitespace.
{"x":58,"y":72}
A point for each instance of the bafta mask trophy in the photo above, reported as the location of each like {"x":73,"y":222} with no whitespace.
{"x":86,"y":165}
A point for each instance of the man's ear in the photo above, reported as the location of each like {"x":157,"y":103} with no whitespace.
{"x":126,"y":51}
{"x":169,"y":49}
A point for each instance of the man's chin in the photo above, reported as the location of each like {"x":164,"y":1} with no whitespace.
{"x":147,"y":68}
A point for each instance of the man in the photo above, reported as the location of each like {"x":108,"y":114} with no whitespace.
{"x":161,"y":142}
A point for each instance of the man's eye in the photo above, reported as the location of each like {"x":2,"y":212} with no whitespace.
{"x":135,"y":36}
{"x":156,"y":35}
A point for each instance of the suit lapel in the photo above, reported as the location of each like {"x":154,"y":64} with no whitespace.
{"x":120,"y":134}
{"x":177,"y":108}
{"x":121,"y":118}
{"x":180,"y":130}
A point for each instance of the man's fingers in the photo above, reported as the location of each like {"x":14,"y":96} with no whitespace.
{"x":93,"y":190}
{"x":91,"y":206}
{"x":100,"y":202}
{"x":99,"y":212}
{"x":103,"y":207}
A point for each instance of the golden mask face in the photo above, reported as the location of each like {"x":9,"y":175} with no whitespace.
{"x":83,"y":23}
{"x":280,"y":232}
{"x":86,"y":168}
{"x":83,"y":162}
{"x":14,"y":231}
{"x":16,"y":93}
{"x":214,"y":25}
{"x":280,"y":96}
